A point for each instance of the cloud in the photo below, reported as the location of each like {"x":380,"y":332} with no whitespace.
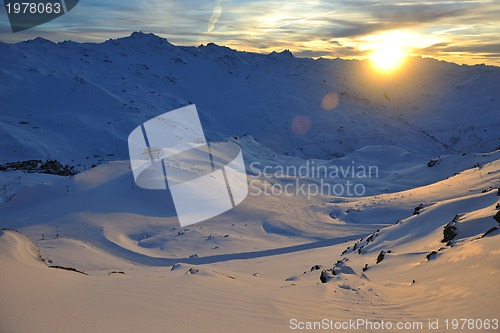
{"x":375,"y":17}
{"x":419,"y":13}
{"x":487,"y":48}
{"x":215,"y":17}
{"x":307,"y":28}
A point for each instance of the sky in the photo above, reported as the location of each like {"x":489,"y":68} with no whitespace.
{"x":457,"y":31}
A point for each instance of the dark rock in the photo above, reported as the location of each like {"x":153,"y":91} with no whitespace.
{"x":432,"y":163}
{"x":335,"y":266}
{"x":71,"y":269}
{"x":449,"y":232}
{"x":324,"y":277}
{"x":315,"y":267}
{"x":487,"y":190}
{"x":489,"y":232}
{"x":431,"y":256}
{"x":51,"y":167}
{"x":497,"y":217}
{"x":381,"y":256}
{"x":417,"y":209}
{"x":193,"y":270}
{"x":341,"y":267}
{"x":370,"y":238}
{"x":175,"y":266}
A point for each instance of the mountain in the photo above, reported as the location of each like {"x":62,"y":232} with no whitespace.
{"x":371,"y":200}
{"x":54,"y":97}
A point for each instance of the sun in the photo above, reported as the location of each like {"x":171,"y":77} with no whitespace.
{"x":388,"y":50}
{"x":387,"y":56}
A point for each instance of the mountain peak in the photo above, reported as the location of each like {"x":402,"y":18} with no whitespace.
{"x":140,"y":39}
{"x":146,"y":37}
{"x":140,"y":34}
{"x":283,"y":54}
{"x":39,"y":40}
{"x":215,"y":47}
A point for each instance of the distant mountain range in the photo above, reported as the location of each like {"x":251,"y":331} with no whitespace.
{"x":77,"y":102}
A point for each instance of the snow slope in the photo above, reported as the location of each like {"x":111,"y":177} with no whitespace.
{"x":259,"y":276}
{"x":261,"y":291}
{"x":155,"y":300}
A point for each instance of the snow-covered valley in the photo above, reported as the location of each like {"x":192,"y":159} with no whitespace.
{"x":418,"y":241}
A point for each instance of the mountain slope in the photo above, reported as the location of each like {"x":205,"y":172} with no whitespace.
{"x":54,"y":97}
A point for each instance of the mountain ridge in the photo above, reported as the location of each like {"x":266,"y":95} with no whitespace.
{"x":107,"y":89}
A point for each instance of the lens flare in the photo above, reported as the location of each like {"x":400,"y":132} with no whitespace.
{"x":330,"y":101}
{"x":301,"y":125}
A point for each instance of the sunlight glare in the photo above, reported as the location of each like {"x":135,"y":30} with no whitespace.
{"x":389,"y":49}
{"x":387,"y":57}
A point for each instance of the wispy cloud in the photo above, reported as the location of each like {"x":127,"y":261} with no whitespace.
{"x":215,"y":16}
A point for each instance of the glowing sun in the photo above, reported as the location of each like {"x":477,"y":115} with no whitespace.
{"x":387,"y":56}
{"x":388,"y":50}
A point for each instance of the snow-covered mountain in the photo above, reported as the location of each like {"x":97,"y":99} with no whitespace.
{"x":419,"y":244}
{"x":55,"y":97}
